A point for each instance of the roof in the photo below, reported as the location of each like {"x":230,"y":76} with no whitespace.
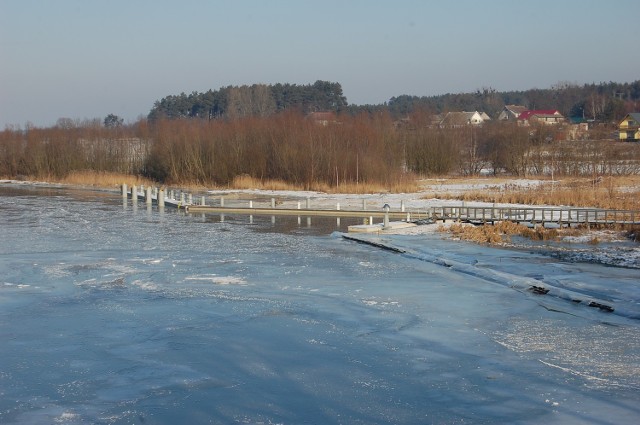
{"x":516,"y":109}
{"x":634,"y":115}
{"x":539,"y":113}
{"x":461,"y":118}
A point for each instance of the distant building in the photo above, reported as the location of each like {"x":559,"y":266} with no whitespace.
{"x":511,"y":112}
{"x":629,"y":127}
{"x":540,"y":116}
{"x":459,"y":119}
{"x":323,"y":118}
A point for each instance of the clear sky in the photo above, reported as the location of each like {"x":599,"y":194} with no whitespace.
{"x":89,"y":58}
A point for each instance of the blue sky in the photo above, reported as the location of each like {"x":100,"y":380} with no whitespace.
{"x":87,"y":58}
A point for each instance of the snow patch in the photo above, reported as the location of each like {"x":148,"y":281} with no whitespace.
{"x":219,"y":280}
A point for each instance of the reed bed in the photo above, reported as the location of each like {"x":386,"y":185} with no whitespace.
{"x":618,"y":192}
{"x":501,"y":232}
{"x":102,"y":179}
{"x":248,"y":182}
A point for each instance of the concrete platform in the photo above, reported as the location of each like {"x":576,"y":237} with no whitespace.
{"x":379,"y":228}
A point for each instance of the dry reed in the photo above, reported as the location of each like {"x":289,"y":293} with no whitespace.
{"x":247,"y":182}
{"x":498,"y":233}
{"x":608,"y":192}
{"x":101,"y":179}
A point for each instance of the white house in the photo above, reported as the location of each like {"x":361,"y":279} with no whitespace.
{"x":459,"y":119}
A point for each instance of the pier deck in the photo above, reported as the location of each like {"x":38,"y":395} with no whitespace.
{"x":532,"y":216}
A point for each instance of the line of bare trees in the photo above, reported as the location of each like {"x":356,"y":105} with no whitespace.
{"x":286,"y":147}
{"x":57,"y":151}
{"x":366,"y":149}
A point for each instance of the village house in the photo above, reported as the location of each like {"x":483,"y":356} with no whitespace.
{"x":459,"y":119}
{"x":540,"y":116}
{"x":511,"y":112}
{"x":629,"y":127}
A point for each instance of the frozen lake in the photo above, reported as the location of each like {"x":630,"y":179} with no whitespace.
{"x":114,"y":313}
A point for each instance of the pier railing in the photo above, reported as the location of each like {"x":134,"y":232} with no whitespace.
{"x":568,"y":216}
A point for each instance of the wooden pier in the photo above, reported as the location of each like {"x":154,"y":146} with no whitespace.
{"x":530,"y":216}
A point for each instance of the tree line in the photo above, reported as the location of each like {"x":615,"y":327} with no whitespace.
{"x":55,"y":152}
{"x":366,"y":148}
{"x":256,"y":100}
{"x":603,"y":102}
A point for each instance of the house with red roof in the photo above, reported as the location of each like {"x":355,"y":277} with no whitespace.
{"x":540,"y":116}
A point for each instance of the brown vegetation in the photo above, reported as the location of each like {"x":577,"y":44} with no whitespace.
{"x":501,"y":232}
{"x":360,"y":154}
{"x":613,"y":192}
{"x":102,"y":179}
{"x":286,"y":147}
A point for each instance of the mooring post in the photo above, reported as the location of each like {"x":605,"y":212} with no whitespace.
{"x":161,"y":198}
{"x":250,"y":204}
{"x":386,"y":209}
{"x":402,"y":205}
{"x":148,"y":198}
{"x":273,"y":202}
{"x":124,"y":190}
{"x":338,"y":206}
{"x":222,"y":201}
{"x":182,"y":198}
{"x":203,"y":201}
{"x":134,"y":193}
{"x":298,"y":207}
{"x":190,"y":199}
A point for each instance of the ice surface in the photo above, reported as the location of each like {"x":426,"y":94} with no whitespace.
{"x":114,"y":313}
